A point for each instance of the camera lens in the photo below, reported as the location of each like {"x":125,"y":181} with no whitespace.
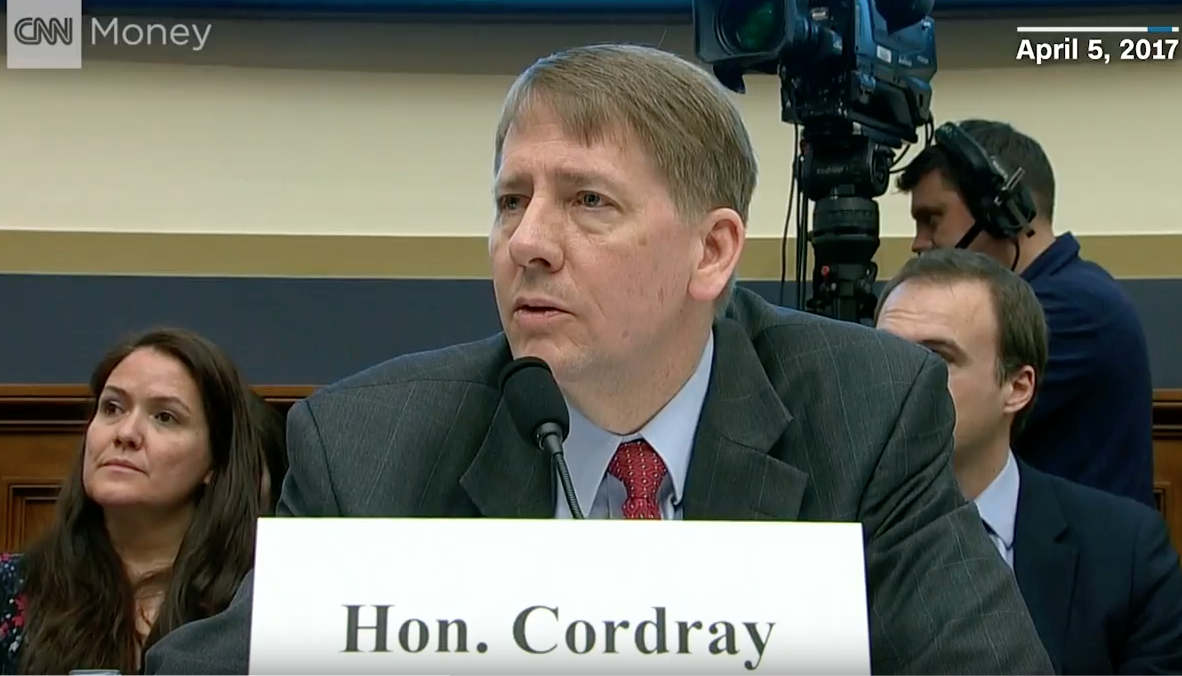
{"x":752,"y":25}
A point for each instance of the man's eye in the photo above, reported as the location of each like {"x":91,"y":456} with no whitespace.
{"x":590,"y":199}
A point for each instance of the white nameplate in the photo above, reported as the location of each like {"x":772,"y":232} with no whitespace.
{"x":490,"y":596}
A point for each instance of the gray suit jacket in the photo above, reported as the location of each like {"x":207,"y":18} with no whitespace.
{"x":805,"y":419}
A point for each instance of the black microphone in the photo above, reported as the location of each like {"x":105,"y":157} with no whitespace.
{"x":539,"y":412}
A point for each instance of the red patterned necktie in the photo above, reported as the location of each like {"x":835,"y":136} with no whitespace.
{"x":640,"y":469}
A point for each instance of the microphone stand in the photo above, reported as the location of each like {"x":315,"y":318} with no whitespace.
{"x":549,"y":438}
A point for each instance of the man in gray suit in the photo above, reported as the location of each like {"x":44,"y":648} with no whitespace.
{"x":623,"y":179}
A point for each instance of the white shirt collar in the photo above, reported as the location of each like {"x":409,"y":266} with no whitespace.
{"x":589,"y":449}
{"x":998,"y":503}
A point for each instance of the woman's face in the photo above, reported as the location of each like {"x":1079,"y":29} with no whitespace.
{"x":148,"y":444}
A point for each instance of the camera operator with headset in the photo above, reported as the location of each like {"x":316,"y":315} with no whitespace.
{"x":987,"y":187}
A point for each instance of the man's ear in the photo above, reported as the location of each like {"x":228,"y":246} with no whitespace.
{"x":723,"y":235}
{"x":1019,"y":391}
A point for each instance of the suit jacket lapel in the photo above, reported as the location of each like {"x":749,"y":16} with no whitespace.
{"x":731,"y":476}
{"x":1044,"y":561}
{"x":509,"y":477}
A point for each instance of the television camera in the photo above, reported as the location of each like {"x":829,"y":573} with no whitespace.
{"x":855,"y":81}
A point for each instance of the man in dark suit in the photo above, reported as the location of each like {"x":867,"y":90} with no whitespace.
{"x":1098,"y":572}
{"x":623,"y":179}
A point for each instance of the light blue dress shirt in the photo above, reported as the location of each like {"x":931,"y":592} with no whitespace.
{"x":998,"y":505}
{"x":589,"y":449}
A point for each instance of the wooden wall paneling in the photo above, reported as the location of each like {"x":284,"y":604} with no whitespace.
{"x":29,"y":504}
{"x":41,"y":428}
{"x":39,"y":435}
{"x":1167,"y":459}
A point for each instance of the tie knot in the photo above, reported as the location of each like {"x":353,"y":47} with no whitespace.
{"x":639,"y":468}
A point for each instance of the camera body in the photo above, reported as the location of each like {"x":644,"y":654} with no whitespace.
{"x":858,"y":65}
{"x":855,"y":77}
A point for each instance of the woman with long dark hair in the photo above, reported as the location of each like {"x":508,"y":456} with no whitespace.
{"x":155,"y":526}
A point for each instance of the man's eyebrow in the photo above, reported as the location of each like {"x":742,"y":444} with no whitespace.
{"x":942,"y":345}
{"x":581,"y":178}
{"x":568,"y":178}
{"x":511,"y":183}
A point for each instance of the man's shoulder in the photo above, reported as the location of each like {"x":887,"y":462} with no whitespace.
{"x":1094,"y":512}
{"x":467,"y":364}
{"x":846,"y":384}
{"x":382,"y":435}
{"x":1084,"y":291}
{"x":1096,"y":333}
{"x":798,"y":339}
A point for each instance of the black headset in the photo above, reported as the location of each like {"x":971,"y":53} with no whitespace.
{"x":1002,"y":207}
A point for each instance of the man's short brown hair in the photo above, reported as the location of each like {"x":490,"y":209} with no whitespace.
{"x":1022,"y":335}
{"x":1007,"y":145}
{"x":680,"y":115}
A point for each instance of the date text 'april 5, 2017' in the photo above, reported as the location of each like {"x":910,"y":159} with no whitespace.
{"x":1096,"y":50}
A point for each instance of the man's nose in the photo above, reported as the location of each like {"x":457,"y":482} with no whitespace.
{"x":536,"y":241}
{"x":921,"y":243}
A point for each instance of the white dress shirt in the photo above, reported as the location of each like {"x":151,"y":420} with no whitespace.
{"x":589,"y":449}
{"x":998,"y":505}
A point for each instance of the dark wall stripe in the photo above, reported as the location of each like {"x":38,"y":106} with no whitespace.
{"x":53,"y":329}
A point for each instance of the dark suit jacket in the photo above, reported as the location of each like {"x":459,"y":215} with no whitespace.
{"x":805,"y":419}
{"x":1100,"y":577}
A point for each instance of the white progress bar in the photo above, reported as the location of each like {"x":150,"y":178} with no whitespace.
{"x":1097,"y":29}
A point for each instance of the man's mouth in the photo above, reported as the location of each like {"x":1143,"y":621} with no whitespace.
{"x":538,"y":309}
{"x":532,"y":312}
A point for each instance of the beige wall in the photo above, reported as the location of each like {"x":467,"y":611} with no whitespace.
{"x":316,"y":129}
